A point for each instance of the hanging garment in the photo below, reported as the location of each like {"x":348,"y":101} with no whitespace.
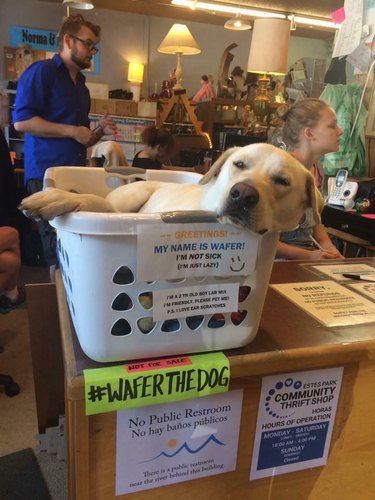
{"x":345,"y":100}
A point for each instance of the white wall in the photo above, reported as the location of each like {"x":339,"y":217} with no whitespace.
{"x":127,"y":37}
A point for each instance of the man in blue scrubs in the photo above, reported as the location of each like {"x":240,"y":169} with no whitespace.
{"x":52,"y":108}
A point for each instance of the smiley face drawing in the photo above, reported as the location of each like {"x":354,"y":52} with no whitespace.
{"x":237,"y":265}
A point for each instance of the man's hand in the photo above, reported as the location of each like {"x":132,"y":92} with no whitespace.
{"x":84,"y":136}
{"x":108,"y":125}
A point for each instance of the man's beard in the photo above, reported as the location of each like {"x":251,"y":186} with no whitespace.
{"x":82,"y":64}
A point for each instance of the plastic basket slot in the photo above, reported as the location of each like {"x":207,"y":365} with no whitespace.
{"x":66,"y":257}
{"x":171,"y":326}
{"x":145,"y":299}
{"x":238,"y":317}
{"x":216,"y":321}
{"x":146,"y":325}
{"x":243,"y":293}
{"x":121,"y":328}
{"x":194,"y":322}
{"x":175,"y":280}
{"x":122,"y":302}
{"x":123,"y":276}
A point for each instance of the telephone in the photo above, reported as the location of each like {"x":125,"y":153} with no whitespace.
{"x":343,"y":191}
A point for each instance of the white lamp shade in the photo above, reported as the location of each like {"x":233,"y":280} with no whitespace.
{"x":135,"y":72}
{"x":79,"y":4}
{"x":179,"y":40}
{"x":269,"y":47}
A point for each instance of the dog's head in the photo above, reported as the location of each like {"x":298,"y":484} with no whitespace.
{"x":259,"y":187}
{"x":113,"y":153}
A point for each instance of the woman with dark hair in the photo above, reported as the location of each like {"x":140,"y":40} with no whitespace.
{"x":158,"y":145}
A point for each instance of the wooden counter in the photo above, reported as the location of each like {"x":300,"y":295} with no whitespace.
{"x":288,"y":340}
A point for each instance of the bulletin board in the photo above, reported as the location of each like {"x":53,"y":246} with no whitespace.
{"x":129,"y":132}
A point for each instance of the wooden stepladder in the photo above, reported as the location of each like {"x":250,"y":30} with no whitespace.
{"x":179,"y":101}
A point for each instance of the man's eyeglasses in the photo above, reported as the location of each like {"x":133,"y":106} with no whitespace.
{"x":90,"y":46}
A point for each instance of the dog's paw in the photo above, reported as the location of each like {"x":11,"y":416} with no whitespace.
{"x":48,"y":204}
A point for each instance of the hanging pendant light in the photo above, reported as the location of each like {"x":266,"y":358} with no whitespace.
{"x":237,"y":24}
{"x":79,"y":4}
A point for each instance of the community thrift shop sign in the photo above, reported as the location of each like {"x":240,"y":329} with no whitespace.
{"x":156,"y":381}
{"x":175,"y":442}
{"x":295,"y":421}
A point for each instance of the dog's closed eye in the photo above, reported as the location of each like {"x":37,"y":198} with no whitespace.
{"x":280,"y":180}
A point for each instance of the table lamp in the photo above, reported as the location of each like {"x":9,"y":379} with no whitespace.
{"x":135,"y":77}
{"x":179,"y":41}
{"x":268,"y":56}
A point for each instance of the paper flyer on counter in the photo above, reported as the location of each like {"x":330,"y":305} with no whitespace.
{"x":330,"y":303}
{"x":176,"y":442}
{"x":365,"y":288}
{"x":295,"y":421}
{"x":336,"y":271}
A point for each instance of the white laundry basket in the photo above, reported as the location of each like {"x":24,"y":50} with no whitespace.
{"x":112,"y":311}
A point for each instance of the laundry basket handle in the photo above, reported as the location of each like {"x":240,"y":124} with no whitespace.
{"x":191,"y":216}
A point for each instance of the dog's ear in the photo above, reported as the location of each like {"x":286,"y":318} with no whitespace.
{"x":315,"y":199}
{"x":216,"y":167}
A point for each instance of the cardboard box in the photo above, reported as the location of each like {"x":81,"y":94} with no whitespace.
{"x":125,"y":108}
{"x":147,"y":109}
{"x":98,"y":90}
{"x":103,"y":106}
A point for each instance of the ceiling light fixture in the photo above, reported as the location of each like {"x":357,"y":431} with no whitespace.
{"x":314,"y":22}
{"x":77,"y":4}
{"x":293,"y":25}
{"x":237,"y":24}
{"x":234,"y":9}
{"x":228,"y":9}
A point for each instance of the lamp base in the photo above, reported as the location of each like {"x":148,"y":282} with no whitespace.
{"x":136,"y":90}
{"x":262,"y":103}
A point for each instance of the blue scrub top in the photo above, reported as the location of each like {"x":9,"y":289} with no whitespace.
{"x":46,"y":89}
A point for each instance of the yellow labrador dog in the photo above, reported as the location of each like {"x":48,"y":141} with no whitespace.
{"x":258,"y":187}
{"x":112,"y":151}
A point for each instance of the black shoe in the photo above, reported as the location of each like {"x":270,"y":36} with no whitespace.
{"x":7,"y":305}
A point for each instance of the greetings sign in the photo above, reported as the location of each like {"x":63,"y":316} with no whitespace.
{"x":168,"y":251}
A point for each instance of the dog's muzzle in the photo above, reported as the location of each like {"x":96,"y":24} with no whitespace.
{"x":242,"y":199}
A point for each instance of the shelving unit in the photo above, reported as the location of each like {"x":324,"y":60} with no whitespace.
{"x":14,"y":139}
{"x":180,"y":104}
{"x":218,"y":113}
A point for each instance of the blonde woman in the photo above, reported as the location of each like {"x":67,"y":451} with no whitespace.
{"x":309,"y":131}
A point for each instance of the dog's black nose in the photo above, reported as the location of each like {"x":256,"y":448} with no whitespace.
{"x":242,"y":197}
